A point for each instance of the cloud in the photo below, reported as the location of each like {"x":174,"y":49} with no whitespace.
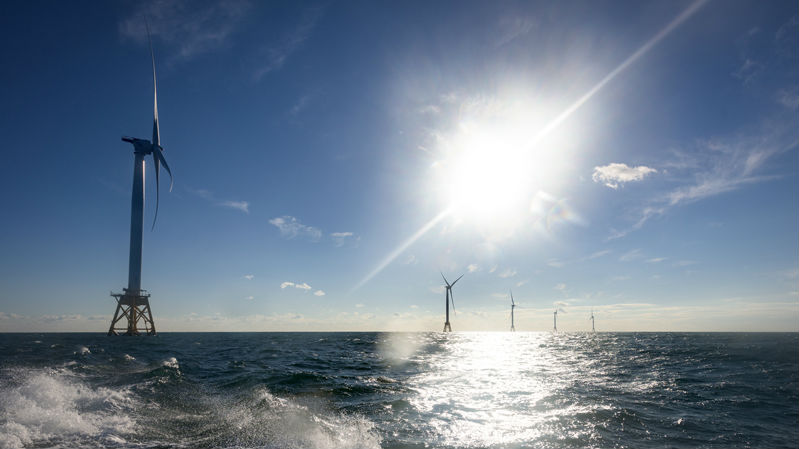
{"x":191,"y":28}
{"x":249,"y":277}
{"x":471,"y":268}
{"x":340,"y":238}
{"x":596,"y":255}
{"x":319,"y":293}
{"x":275,"y":56}
{"x":291,"y":228}
{"x":243,"y":206}
{"x":514,"y":27}
{"x":509,"y":273}
{"x":615,"y":174}
{"x":299,"y":285}
{"x":555,"y":263}
{"x":630,"y":255}
{"x":249,"y":298}
{"x":719,"y":165}
{"x":656,"y":260}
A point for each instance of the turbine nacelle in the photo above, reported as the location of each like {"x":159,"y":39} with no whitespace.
{"x":140,"y":146}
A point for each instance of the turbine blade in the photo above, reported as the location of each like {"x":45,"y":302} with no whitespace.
{"x":459,"y":278}
{"x":158,"y":159}
{"x":452,"y":300}
{"x":156,"y":129}
{"x":445,"y":279}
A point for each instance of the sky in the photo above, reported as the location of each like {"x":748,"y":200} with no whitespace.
{"x":634,"y":159}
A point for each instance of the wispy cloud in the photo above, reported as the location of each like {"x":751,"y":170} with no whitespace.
{"x":630,"y":255}
{"x":249,"y":277}
{"x":719,"y":165}
{"x":471,"y":268}
{"x":616,"y":174}
{"x":190,"y":27}
{"x":275,"y":56}
{"x":508,"y":273}
{"x":511,"y":28}
{"x":656,"y":260}
{"x":319,"y":293}
{"x":298,"y":285}
{"x":341,"y":238}
{"x":291,"y":228}
{"x":243,"y":206}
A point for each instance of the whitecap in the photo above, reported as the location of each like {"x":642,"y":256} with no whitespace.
{"x":51,"y":404}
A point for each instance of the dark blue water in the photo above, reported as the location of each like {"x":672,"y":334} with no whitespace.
{"x":370,"y":390}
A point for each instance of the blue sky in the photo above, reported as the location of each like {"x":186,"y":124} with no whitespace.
{"x":637,"y":159}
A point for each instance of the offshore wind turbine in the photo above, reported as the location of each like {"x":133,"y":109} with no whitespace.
{"x":512,"y":306}
{"x":134,"y":303}
{"x":556,"y":320}
{"x":449,"y":298}
{"x":593,"y":329}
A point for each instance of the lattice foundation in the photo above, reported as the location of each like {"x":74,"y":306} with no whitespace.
{"x":135,"y":308}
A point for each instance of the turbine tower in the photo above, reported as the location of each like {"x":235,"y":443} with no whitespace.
{"x":512,"y":306}
{"x":593,"y":329}
{"x":134,"y":304}
{"x":449,"y":298}
{"x":556,"y":320}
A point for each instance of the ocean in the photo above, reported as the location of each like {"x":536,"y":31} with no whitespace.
{"x":396,"y":390}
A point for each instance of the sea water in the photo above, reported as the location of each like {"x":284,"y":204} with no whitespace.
{"x":394,"y":390}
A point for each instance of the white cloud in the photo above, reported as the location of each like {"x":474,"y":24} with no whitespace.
{"x":286,"y":284}
{"x":249,"y":277}
{"x":509,"y":273}
{"x":275,"y":56}
{"x":250,"y":298}
{"x":520,"y":283}
{"x":656,"y":260}
{"x":291,"y":228}
{"x":630,"y":255}
{"x":303,"y":286}
{"x":472,"y":268}
{"x":243,"y":206}
{"x":720,"y":165}
{"x":615,"y":174}
{"x":340,"y":238}
{"x":514,"y":27}
{"x":414,"y":306}
{"x":193,"y":28}
{"x":319,"y":293}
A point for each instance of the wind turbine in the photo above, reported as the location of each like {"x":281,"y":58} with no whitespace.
{"x":593,"y":329}
{"x":449,"y":298}
{"x":134,"y":303}
{"x":512,"y":306}
{"x":556,"y":320}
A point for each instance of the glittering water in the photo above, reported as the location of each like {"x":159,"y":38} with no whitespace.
{"x":370,"y":390}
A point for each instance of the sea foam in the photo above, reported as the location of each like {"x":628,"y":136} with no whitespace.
{"x":51,"y":403}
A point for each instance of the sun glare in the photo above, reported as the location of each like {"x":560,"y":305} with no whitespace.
{"x":490,"y":174}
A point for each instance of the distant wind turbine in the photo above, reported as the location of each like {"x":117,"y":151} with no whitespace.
{"x":593,"y":329}
{"x":134,"y":303}
{"x":556,"y":320}
{"x":512,"y":306}
{"x":449,"y":298}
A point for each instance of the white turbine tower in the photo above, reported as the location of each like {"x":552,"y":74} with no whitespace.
{"x":593,"y":329}
{"x":512,"y":306}
{"x":134,"y":303}
{"x":449,"y":298}
{"x":556,"y":320}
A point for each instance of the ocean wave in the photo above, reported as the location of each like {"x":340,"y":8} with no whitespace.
{"x":52,"y":404}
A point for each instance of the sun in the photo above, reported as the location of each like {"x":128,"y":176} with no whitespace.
{"x":490,"y":172}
